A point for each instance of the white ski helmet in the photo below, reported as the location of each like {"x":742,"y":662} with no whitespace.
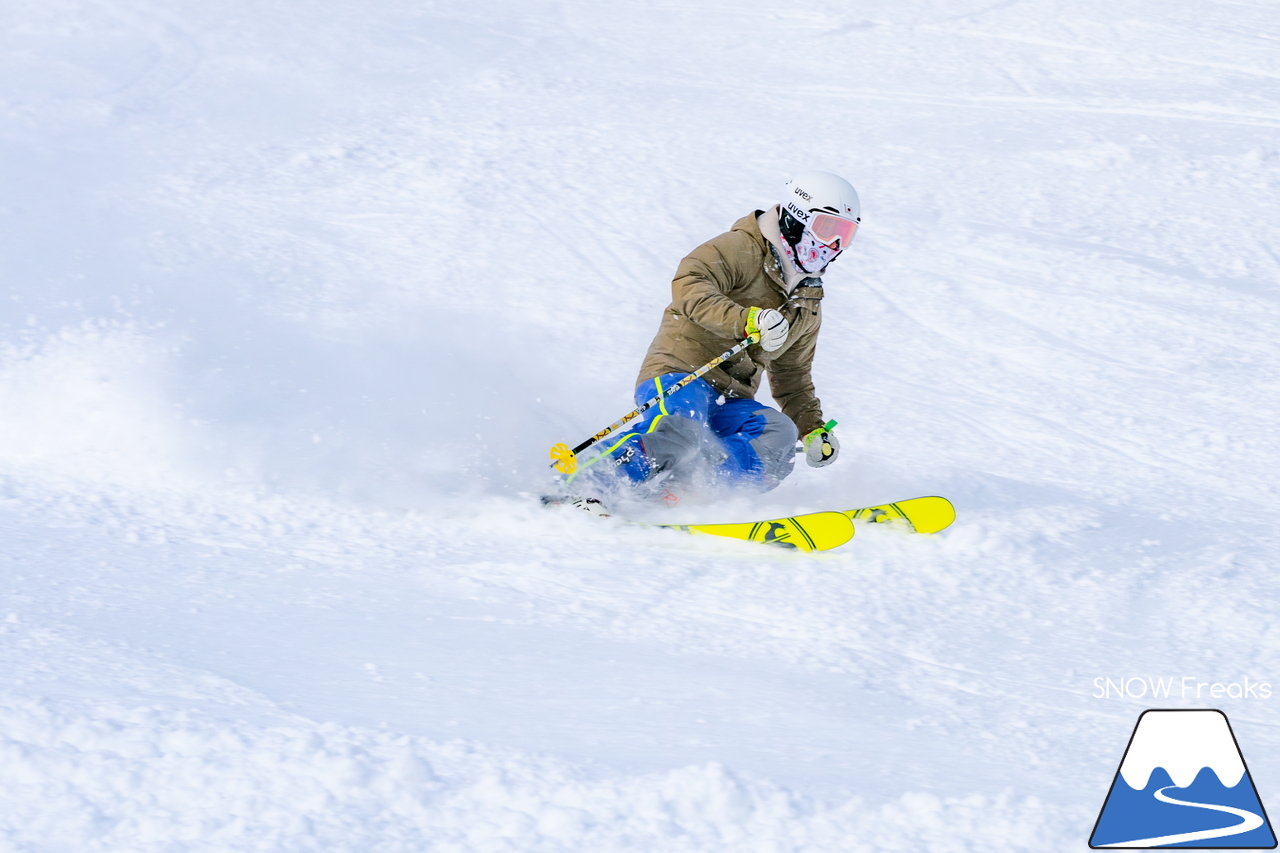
{"x":818,"y":218}
{"x":810,"y":193}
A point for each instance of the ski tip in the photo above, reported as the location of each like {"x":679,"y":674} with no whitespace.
{"x":591,"y":506}
{"x":927,"y":514}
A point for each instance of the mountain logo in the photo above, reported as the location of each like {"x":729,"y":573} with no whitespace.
{"x":1183,"y":783}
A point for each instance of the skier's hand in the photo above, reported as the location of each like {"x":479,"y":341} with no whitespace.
{"x":821,"y":447}
{"x":769,"y":326}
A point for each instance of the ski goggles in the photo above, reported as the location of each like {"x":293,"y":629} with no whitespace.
{"x":829,"y":229}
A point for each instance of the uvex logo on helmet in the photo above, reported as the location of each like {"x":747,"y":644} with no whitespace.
{"x":804,"y":195}
{"x":797,"y":211}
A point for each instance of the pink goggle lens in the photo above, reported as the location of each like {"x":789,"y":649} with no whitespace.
{"x":828,"y":229}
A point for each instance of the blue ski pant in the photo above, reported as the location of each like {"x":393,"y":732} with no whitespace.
{"x":743,"y":442}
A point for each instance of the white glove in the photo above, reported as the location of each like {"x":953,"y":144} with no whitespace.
{"x":769,"y":326}
{"x":821,"y":447}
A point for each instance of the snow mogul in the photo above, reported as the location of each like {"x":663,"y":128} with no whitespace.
{"x":761,"y":279}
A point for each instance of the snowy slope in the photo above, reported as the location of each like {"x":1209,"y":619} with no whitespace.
{"x":297,"y":295}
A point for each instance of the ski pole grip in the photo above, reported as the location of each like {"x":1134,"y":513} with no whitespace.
{"x":829,"y":425}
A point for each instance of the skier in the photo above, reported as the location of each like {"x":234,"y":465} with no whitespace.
{"x":761,"y":278}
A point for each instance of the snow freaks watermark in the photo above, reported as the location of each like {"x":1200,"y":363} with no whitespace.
{"x":1183,"y":783}
{"x":1184,"y":687}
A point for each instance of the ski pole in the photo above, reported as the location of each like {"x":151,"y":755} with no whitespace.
{"x":565,"y":460}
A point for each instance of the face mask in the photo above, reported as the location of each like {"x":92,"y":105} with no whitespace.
{"x":811,"y":255}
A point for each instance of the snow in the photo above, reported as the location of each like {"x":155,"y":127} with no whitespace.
{"x":296,"y":297}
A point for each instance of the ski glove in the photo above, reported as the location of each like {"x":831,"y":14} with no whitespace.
{"x":769,"y":325}
{"x":821,"y":446}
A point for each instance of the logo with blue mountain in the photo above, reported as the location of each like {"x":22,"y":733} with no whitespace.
{"x":1183,"y":783}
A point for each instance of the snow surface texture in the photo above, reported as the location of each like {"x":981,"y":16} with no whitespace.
{"x":296,"y":296}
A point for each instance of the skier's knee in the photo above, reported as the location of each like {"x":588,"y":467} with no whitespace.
{"x":674,"y":442}
{"x":775,"y":445}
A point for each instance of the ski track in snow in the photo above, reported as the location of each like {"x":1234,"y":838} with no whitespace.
{"x":296,"y":298}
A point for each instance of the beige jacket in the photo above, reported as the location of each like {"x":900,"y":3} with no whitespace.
{"x":710,"y":294}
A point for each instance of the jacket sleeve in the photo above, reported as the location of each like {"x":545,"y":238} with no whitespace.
{"x":791,"y":384}
{"x":702,"y":282}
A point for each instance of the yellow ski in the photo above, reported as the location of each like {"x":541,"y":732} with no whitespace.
{"x":816,"y":531}
{"x":924,"y":515}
